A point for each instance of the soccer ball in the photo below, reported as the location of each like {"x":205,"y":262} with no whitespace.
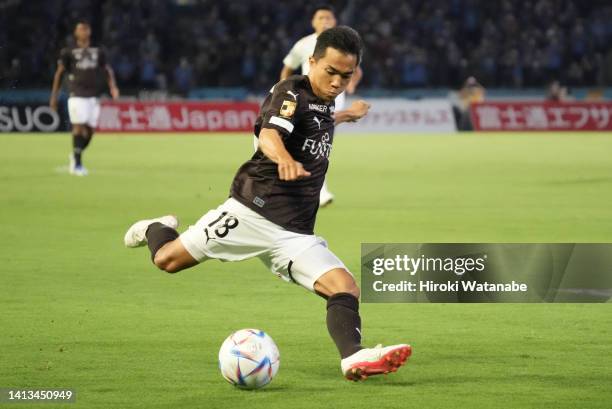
{"x":249,"y":359}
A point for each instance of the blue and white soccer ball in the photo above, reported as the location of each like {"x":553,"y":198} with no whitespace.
{"x":249,"y":359}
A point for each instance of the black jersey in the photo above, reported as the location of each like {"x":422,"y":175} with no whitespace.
{"x":86,"y":73}
{"x":306,"y":125}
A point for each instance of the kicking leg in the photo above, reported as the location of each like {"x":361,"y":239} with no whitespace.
{"x":172,"y":256}
{"x":167,"y":251}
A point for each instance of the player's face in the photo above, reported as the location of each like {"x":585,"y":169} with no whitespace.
{"x":322,"y":20}
{"x":330,"y":74}
{"x":82,"y":32}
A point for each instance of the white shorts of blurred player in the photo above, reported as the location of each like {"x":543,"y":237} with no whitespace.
{"x":84,"y":111}
{"x":233,"y":232}
{"x":339,"y":102}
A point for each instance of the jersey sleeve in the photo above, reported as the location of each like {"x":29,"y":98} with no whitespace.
{"x":64,"y":58}
{"x":280,"y":113}
{"x":294,"y":59}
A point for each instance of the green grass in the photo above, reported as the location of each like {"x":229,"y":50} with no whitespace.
{"x":79,"y":310}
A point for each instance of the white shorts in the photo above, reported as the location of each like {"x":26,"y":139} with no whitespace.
{"x":84,"y":111}
{"x":233,"y":232}
{"x":339,"y":102}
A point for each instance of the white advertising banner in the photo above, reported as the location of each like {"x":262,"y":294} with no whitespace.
{"x":401,"y":115}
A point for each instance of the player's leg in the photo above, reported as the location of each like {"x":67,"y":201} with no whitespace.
{"x":79,"y":110}
{"x":344,"y":326}
{"x":79,"y":143}
{"x":90,"y":114}
{"x":325,"y":196}
{"x":160,"y":235}
{"x":343,"y":320}
{"x":321,"y":271}
{"x":87,"y":134}
{"x":82,"y":141}
{"x":167,"y":251}
{"x":231,"y":232}
{"x":92,"y":120}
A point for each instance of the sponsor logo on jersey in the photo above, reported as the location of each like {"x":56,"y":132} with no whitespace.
{"x":288,"y":109}
{"x":317,"y":148}
{"x":86,"y":58}
{"x":318,"y":108}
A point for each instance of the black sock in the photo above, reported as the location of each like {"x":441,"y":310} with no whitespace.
{"x":344,"y":323}
{"x":159,"y":234}
{"x":87,"y":136}
{"x":79,"y":143}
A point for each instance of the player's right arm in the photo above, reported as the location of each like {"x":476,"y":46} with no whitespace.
{"x":271,"y":144}
{"x":278,"y":120}
{"x":62,"y":63}
{"x":286,"y":72}
{"x":57,"y":79}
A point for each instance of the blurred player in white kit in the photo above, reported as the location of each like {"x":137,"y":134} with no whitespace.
{"x":323,"y":18}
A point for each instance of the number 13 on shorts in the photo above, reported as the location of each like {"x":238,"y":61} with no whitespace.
{"x":221,"y":226}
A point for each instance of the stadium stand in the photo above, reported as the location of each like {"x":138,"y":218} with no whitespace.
{"x":179,"y":44}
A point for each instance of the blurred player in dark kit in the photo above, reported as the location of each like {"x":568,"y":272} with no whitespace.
{"x":87,"y":68}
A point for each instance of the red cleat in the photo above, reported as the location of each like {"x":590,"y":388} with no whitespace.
{"x":375,"y":361}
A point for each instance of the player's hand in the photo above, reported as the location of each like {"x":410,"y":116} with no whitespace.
{"x":291,"y":170}
{"x":358,"y":110}
{"x":53,"y":104}
{"x":114,"y":92}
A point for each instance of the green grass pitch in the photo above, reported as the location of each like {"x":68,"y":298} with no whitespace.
{"x":78,"y":310}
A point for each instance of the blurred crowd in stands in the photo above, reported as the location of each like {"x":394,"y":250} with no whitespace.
{"x":180,"y":44}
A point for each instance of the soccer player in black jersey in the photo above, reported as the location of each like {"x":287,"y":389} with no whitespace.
{"x":323,"y":18}
{"x":87,"y":69}
{"x":274,"y":200}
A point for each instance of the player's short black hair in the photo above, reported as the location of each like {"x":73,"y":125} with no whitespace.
{"x":82,"y":21}
{"x":318,"y":7}
{"x":343,"y":39}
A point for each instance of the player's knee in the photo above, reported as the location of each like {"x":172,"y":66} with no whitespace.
{"x":353,"y":289}
{"x":338,"y":281}
{"x":164,"y":261}
{"x":348,"y":285}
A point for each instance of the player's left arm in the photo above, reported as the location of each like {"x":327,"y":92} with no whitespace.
{"x":112,"y":85}
{"x":291,"y":61}
{"x":354,"y":113}
{"x":352,"y":86}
